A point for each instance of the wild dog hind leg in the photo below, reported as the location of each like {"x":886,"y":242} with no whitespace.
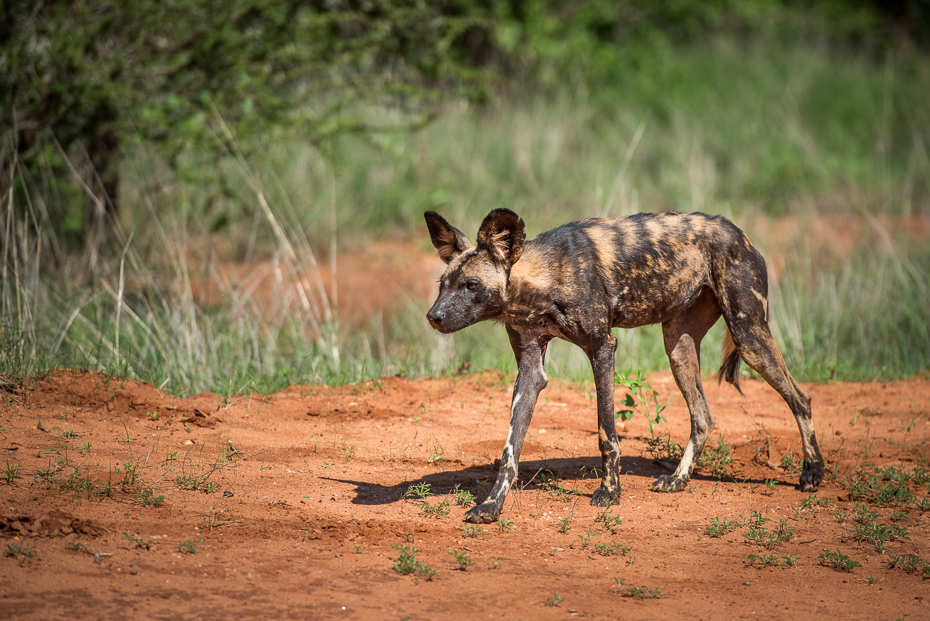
{"x":743,"y":296}
{"x":682,"y":337}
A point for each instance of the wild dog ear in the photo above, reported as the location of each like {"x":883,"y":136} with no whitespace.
{"x":502,"y":233}
{"x":448,"y":240}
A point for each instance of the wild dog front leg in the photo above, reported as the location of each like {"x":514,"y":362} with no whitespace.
{"x":602,"y":362}
{"x":531,"y":379}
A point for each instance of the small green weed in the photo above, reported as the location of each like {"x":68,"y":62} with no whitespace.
{"x":552,"y":486}
{"x":719,"y":529}
{"x":190,"y":546}
{"x":128,"y":475}
{"x":504,"y":525}
{"x":813,"y":501}
{"x":663,"y":448}
{"x":138,"y":541}
{"x":436,"y":511}
{"x":11,"y":473}
{"x":771,"y":559}
{"x":921,"y":476}
{"x":719,"y":459}
{"x":760,"y":536}
{"x":908,"y":563}
{"x":408,"y":564}
{"x":462,"y":559}
{"x":555,"y":600}
{"x":879,"y":534}
{"x":564,"y":524}
{"x":15,"y":549}
{"x":897,"y":515}
{"x":863,"y":515}
{"x":462,"y":498}
{"x":837,"y":560}
{"x":609,"y":521}
{"x":757,"y":519}
{"x":789,"y":464}
{"x":584,"y":541}
{"x":420,"y":491}
{"x":76,"y":547}
{"x":882,"y":487}
{"x":149,"y":497}
{"x":640,"y":592}
{"x":635,"y":383}
{"x":473,"y":530}
{"x":612,"y":549}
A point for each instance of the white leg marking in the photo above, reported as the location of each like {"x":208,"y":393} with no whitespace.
{"x":765,"y":303}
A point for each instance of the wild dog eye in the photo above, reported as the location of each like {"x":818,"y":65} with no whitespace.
{"x":471,"y":285}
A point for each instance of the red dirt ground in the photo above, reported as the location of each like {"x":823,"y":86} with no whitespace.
{"x":300,"y":502}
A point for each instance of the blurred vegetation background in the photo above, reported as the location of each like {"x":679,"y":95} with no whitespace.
{"x":154,"y":150}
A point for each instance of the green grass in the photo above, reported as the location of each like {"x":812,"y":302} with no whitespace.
{"x":748,"y":130}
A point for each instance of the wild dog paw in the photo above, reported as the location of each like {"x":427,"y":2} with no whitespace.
{"x":483,"y":514}
{"x":811,"y":477}
{"x":603,"y":497}
{"x":668,"y":483}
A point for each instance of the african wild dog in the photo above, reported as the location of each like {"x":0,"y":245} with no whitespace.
{"x":580,"y":280}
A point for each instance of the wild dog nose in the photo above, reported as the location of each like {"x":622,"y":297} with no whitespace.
{"x":435,"y":317}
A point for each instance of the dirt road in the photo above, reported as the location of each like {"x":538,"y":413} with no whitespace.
{"x":120,"y":502}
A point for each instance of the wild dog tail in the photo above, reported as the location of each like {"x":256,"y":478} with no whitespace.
{"x":729,"y":368}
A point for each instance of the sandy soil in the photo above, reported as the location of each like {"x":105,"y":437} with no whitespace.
{"x":137,"y":505}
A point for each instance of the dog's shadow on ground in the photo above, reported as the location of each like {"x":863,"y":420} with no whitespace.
{"x":562,"y":473}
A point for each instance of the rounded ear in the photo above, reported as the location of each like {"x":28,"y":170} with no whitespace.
{"x":502,"y":234}
{"x":448,"y":240}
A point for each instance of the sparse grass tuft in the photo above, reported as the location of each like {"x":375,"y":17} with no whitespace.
{"x":771,"y":559}
{"x":908,"y":563}
{"x":189,"y":546}
{"x":612,"y":549}
{"x":759,"y":535}
{"x":462,"y":559}
{"x":408,"y":565}
{"x":462,"y":498}
{"x":554,"y":487}
{"x":138,"y":541}
{"x":838,"y":560}
{"x":11,"y":473}
{"x":719,"y":529}
{"x":718,"y":459}
{"x":882,"y":487}
{"x":640,"y":592}
{"x":879,"y":534}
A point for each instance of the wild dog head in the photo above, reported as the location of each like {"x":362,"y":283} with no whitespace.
{"x":474,"y":285}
